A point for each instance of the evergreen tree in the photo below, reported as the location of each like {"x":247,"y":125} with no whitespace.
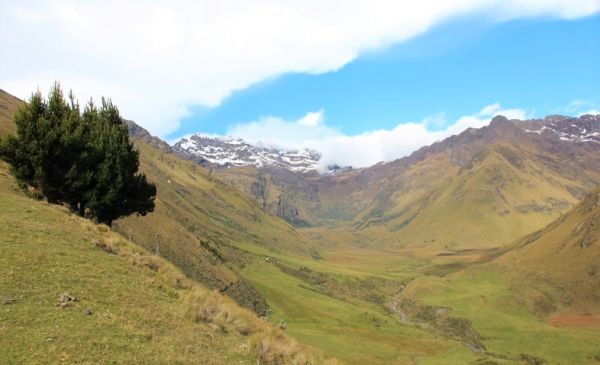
{"x":118,"y":189}
{"x":84,"y":160}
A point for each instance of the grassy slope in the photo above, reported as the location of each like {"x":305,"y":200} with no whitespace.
{"x":355,"y":329}
{"x":487,"y":203}
{"x":513,"y":300}
{"x":143,"y":310}
{"x":198,"y":221}
{"x":565,"y":256}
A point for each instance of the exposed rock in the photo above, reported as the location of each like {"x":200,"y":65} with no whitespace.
{"x":287,"y":211}
{"x":258,"y":191}
{"x":7,"y":300}
{"x":66,"y":298}
{"x":137,"y":132}
{"x":282,"y":325}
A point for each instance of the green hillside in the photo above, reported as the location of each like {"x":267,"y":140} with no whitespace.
{"x":199,"y":224}
{"x":76,"y":292}
{"x":500,"y":194}
{"x":539,"y":301}
{"x":565,"y":256}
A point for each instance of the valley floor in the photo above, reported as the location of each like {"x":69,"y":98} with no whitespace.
{"x":416,"y":305}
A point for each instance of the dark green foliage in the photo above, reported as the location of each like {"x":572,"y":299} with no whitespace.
{"x":84,"y":160}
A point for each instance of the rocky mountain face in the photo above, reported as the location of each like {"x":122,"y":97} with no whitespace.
{"x":230,"y":152}
{"x":585,"y":129}
{"x":140,"y":134}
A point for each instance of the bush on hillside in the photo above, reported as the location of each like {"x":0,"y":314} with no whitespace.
{"x":82,"y":159}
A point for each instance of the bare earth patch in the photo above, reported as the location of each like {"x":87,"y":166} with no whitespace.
{"x":574,"y":320}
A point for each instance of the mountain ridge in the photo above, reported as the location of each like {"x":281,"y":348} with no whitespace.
{"x":513,"y":176}
{"x":224,"y":152}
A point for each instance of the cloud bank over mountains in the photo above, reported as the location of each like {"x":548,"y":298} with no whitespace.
{"x":157,"y":59}
{"x":364,"y":149}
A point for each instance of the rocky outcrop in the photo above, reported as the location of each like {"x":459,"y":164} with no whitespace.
{"x":286,"y":210}
{"x":141,"y":134}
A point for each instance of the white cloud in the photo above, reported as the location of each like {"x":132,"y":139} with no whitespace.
{"x":581,"y":107}
{"x":278,"y":132}
{"x":591,"y":111}
{"x":157,"y":58}
{"x":311,"y":119}
{"x":363,"y":149}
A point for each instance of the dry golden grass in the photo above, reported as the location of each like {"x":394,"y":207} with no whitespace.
{"x":267,"y":344}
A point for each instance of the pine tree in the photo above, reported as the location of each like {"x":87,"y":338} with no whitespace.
{"x":118,"y":189}
{"x":84,"y":160}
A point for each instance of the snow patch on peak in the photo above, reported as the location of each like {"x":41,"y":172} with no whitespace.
{"x":585,"y":129}
{"x":230,"y":151}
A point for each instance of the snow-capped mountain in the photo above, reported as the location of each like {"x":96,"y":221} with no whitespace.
{"x":227,"y":152}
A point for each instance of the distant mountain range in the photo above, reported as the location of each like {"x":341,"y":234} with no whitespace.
{"x":503,"y":180}
{"x":225,"y":152}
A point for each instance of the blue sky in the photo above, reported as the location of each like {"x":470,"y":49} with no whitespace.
{"x":360,"y":82}
{"x":539,"y":65}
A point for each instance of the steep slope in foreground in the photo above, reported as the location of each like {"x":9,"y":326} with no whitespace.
{"x":198,"y":220}
{"x":75,"y":292}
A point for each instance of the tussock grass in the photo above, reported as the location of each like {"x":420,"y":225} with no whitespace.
{"x":267,"y":344}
